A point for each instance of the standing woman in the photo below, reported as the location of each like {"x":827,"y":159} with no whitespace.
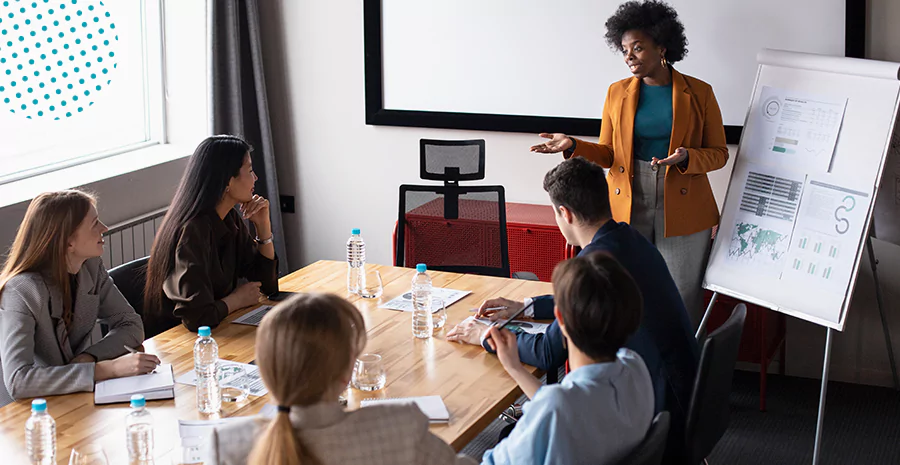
{"x":203,"y":248}
{"x":53,"y":291}
{"x":661,"y":133}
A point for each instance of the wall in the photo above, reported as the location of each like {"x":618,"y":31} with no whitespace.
{"x":345,"y":174}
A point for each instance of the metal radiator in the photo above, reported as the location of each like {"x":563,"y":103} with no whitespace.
{"x":132,"y":239}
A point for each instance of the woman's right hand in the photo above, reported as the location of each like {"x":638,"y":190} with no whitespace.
{"x":557,"y":143}
{"x":126,"y":365}
{"x":244,"y":296}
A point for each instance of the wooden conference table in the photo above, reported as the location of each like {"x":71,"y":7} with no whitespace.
{"x":473,"y":384}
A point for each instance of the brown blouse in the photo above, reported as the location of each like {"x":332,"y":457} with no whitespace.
{"x":211,"y":257}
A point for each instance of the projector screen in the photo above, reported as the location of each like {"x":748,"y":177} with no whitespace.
{"x":530,"y":65}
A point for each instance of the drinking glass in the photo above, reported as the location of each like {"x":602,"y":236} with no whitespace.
{"x":438,"y":313}
{"x":91,"y":454}
{"x":370,"y":284}
{"x":235,"y":383}
{"x":369,"y":374}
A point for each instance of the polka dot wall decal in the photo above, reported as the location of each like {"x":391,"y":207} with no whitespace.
{"x":77,"y":26}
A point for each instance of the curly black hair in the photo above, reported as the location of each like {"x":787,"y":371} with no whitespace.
{"x":656,"y":19}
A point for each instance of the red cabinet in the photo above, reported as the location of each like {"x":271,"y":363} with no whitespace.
{"x":535,"y":243}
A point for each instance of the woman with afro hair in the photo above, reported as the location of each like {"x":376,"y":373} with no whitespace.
{"x":661,"y":133}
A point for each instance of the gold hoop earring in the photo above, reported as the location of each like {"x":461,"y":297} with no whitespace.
{"x":664,"y":62}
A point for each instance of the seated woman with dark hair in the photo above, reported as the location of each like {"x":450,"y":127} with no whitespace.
{"x":203,"y":248}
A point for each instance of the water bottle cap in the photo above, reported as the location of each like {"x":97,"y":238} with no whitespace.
{"x":39,"y":405}
{"x":138,"y":400}
{"x":421,"y":268}
{"x":204,"y":331}
{"x":354,"y":231}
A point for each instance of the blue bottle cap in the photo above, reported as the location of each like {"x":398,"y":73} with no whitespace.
{"x":421,"y":268}
{"x":39,"y":405}
{"x":354,"y":231}
{"x":203,"y":331}
{"x":138,"y":400}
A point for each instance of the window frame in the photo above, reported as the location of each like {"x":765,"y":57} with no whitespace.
{"x":154,"y":59}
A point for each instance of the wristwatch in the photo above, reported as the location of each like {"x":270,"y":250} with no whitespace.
{"x":571,"y":150}
{"x":267,"y":241}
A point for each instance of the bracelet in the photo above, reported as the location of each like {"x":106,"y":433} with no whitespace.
{"x":267,"y":241}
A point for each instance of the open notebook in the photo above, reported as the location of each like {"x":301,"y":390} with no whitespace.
{"x":157,"y":385}
{"x":432,"y":406}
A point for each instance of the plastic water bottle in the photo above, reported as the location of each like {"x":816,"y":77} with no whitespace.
{"x":422,"y":323}
{"x":206,"y":368}
{"x":139,"y":431}
{"x":356,"y":261}
{"x":40,"y":434}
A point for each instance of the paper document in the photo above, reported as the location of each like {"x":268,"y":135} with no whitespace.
{"x":196,"y":438}
{"x":404,"y":302}
{"x":827,"y":236}
{"x":791,"y":129}
{"x":251,"y":377}
{"x":157,"y":385}
{"x":254,"y":317}
{"x":432,"y":406}
{"x":760,"y":233}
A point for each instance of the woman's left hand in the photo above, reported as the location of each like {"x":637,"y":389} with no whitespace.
{"x":679,"y":156}
{"x":256,"y":210}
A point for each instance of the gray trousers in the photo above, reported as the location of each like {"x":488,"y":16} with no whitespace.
{"x":686,"y":256}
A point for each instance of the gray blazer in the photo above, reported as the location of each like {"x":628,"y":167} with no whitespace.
{"x":33,"y":355}
{"x":376,"y":435}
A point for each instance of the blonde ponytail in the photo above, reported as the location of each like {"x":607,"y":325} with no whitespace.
{"x":279,"y":445}
{"x":305,"y":347}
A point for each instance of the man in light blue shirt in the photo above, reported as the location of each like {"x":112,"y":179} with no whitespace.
{"x":603,"y":408}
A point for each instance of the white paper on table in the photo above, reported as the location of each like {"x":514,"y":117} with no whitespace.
{"x":251,"y":375}
{"x":195,"y":438}
{"x":403,"y":302}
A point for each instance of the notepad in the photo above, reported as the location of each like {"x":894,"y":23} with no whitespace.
{"x":432,"y":406}
{"x":157,"y":385}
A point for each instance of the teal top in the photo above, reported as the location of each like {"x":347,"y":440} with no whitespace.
{"x":653,"y":122}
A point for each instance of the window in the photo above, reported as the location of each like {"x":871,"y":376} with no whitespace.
{"x":79,"y":80}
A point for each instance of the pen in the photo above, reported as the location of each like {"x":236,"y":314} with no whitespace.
{"x":489,"y":309}
{"x":130,"y":350}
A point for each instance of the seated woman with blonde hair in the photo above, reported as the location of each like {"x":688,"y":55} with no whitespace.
{"x":306,"y":348}
{"x":53,"y":291}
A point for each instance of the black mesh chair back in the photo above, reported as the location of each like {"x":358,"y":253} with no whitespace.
{"x":453,"y":228}
{"x":650,"y":450}
{"x":130,"y":279}
{"x":709,"y":409}
{"x":451,"y":160}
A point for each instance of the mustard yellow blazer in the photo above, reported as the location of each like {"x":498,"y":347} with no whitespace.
{"x":696,"y":125}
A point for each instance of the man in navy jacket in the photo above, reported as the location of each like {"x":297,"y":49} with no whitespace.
{"x":579,"y":194}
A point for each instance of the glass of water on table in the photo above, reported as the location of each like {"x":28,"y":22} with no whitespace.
{"x":438,"y":313}
{"x":369,"y":373}
{"x":234,"y":382}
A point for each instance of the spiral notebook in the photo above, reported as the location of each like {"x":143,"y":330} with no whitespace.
{"x":432,"y":406}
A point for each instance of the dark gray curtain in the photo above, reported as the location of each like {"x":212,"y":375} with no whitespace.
{"x":238,"y":102}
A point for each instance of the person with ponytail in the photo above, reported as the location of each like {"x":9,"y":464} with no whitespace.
{"x":306,"y":348}
{"x":53,"y":290}
{"x":203,"y":249}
